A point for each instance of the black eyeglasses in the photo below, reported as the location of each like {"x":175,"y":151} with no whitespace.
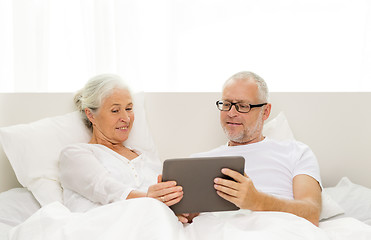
{"x":240,"y":106}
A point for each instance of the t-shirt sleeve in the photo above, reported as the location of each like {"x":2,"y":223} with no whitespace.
{"x":305,"y":162}
{"x":81,"y":172}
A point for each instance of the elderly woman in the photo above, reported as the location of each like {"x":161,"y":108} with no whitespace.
{"x":105,"y":170}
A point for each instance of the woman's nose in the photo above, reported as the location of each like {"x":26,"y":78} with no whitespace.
{"x":125,"y":117}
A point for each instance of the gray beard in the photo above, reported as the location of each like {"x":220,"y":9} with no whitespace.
{"x":247,"y":134}
{"x":239,"y":138}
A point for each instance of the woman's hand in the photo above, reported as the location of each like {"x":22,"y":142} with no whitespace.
{"x":167,"y":192}
{"x":170,"y":194}
{"x":187,"y":217}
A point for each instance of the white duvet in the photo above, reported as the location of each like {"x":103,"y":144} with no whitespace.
{"x":147,"y":218}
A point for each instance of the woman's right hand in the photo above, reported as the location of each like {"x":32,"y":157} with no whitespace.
{"x":187,"y":217}
{"x":166,"y":192}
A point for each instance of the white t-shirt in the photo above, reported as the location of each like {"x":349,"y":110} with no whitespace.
{"x":93,"y":175}
{"x":272,"y":164}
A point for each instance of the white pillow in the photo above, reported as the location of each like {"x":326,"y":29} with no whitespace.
{"x":353,"y":198}
{"x":33,"y":149}
{"x":278,"y":128}
{"x":16,"y":205}
{"x":330,"y":208}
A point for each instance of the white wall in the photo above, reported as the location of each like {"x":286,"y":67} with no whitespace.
{"x":335,"y":125}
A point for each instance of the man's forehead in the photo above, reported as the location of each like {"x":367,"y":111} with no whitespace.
{"x":240,"y":91}
{"x":235,"y":98}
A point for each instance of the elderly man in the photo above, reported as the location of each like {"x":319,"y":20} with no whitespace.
{"x":279,"y":175}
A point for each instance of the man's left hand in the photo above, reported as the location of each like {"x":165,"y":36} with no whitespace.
{"x":240,"y":192}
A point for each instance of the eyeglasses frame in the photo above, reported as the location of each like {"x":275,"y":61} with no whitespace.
{"x":237,"y":108}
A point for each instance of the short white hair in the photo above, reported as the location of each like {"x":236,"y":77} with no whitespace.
{"x":247,"y":76}
{"x":95,"y":91}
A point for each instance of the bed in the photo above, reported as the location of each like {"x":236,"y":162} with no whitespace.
{"x":34,"y":126}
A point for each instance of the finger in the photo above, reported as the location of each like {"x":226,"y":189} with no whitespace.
{"x":160,"y":189}
{"x":173,"y":201}
{"x":226,"y":190}
{"x":159,"y":178}
{"x":163,"y":185}
{"x":233,"y":174}
{"x":173,"y":195}
{"x":182,"y":219}
{"x":228,"y":197}
{"x":167,"y":191}
{"x":163,"y":192}
{"x":227,"y":183}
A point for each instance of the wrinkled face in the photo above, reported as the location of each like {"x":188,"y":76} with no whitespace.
{"x":115,"y":117}
{"x":243,"y":128}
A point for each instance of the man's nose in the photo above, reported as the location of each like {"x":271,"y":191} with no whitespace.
{"x":233,"y":111}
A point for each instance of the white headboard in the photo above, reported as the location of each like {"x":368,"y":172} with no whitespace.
{"x":335,"y":125}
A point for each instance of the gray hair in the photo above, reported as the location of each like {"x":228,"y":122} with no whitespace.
{"x":95,"y":91}
{"x":247,"y":76}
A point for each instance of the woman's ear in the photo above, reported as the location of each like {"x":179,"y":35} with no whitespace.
{"x":89,"y":115}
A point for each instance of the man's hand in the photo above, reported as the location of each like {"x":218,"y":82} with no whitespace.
{"x":241,"y":193}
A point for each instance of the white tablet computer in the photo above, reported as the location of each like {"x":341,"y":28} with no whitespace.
{"x":196,"y":176}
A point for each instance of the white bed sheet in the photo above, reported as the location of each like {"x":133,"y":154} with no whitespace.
{"x":16,"y":205}
{"x":4,"y":229}
{"x":141,"y":218}
{"x":147,"y":218}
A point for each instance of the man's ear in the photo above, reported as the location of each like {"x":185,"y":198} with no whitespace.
{"x":89,"y":115}
{"x":267,"y":111}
